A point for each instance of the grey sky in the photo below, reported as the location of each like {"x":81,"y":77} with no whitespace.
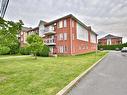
{"x":105,"y":16}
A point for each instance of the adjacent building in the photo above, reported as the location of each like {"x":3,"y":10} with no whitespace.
{"x":23,"y":35}
{"x":66,"y":35}
{"x":110,"y":40}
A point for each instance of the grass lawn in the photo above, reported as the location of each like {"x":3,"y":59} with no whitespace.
{"x":44,"y":76}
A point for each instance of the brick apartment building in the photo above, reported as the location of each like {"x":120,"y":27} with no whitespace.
{"x":66,"y":35}
{"x":110,"y":40}
{"x":23,"y":35}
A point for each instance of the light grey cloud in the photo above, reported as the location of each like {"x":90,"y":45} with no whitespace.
{"x":105,"y":16}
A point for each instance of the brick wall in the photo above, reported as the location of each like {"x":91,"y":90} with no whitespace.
{"x":114,"y":41}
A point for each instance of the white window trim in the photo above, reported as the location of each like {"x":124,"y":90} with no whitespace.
{"x":65,"y":36}
{"x":65,"y":23}
{"x":60,"y":24}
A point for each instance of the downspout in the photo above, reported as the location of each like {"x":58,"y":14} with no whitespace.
{"x":71,"y":33}
{"x":96,"y":44}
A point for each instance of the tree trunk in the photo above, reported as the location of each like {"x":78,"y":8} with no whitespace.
{"x":35,"y":56}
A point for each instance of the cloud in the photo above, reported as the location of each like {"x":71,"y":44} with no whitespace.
{"x":107,"y":16}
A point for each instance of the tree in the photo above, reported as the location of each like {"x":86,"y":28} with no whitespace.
{"x":35,"y":43}
{"x":8,"y":34}
{"x":44,"y":51}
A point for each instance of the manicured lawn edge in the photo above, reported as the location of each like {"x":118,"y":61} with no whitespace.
{"x":67,"y":88}
{"x":14,"y":56}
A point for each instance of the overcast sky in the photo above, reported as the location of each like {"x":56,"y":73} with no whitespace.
{"x":105,"y":16}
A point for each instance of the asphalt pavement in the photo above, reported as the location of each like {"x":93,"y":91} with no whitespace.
{"x":109,"y":77}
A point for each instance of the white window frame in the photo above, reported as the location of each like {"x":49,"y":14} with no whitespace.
{"x":109,"y":42}
{"x":60,"y":36}
{"x":60,"y":24}
{"x":61,"y":49}
{"x":93,"y":38}
{"x":22,"y":33}
{"x":65,"y":36}
{"x":82,"y":33}
{"x":65,"y":23}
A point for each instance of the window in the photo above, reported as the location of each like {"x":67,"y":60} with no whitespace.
{"x":65,"y":36}
{"x":60,"y":36}
{"x":65,"y":23}
{"x":82,"y":33}
{"x":80,"y":47}
{"x":60,"y":24}
{"x":62,"y":49}
{"x":65,"y":48}
{"x":51,"y":28}
{"x":21,"y":33}
{"x":93,"y":38}
{"x":86,"y":45}
{"x":108,"y":41}
{"x":72,"y":23}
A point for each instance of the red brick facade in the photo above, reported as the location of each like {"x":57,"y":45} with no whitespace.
{"x":110,"y":40}
{"x":24,"y":33}
{"x":62,"y":38}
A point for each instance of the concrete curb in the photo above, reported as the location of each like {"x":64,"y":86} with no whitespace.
{"x":67,"y":88}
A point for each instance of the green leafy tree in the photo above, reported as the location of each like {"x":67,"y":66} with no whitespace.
{"x":44,"y":51}
{"x":8,"y":34}
{"x":35,"y":43}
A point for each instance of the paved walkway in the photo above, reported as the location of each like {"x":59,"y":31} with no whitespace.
{"x":8,"y":57}
{"x":108,"y":78}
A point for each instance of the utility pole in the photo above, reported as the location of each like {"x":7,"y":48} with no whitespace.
{"x":3,"y":7}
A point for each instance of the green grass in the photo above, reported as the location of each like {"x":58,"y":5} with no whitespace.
{"x":44,"y":76}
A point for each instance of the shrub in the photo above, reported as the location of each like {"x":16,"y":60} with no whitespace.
{"x":4,"y":50}
{"x":14,"y":48}
{"x":44,"y":51}
{"x":112,"y":47}
{"x":25,"y":51}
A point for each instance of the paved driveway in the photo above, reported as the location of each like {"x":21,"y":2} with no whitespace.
{"x":108,"y":78}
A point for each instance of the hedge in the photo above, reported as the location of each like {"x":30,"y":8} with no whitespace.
{"x":112,"y":47}
{"x":14,"y":48}
{"x":42,"y":52}
{"x":24,"y":51}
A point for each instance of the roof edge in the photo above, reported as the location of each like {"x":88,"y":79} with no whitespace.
{"x":73,"y":17}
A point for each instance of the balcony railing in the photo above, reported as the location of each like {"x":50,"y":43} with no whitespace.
{"x":49,"y":41}
{"x":49,"y":31}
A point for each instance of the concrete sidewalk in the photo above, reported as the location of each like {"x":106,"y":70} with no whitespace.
{"x":108,"y":78}
{"x":8,"y":57}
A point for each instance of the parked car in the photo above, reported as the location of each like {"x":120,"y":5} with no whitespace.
{"x":124,"y":49}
